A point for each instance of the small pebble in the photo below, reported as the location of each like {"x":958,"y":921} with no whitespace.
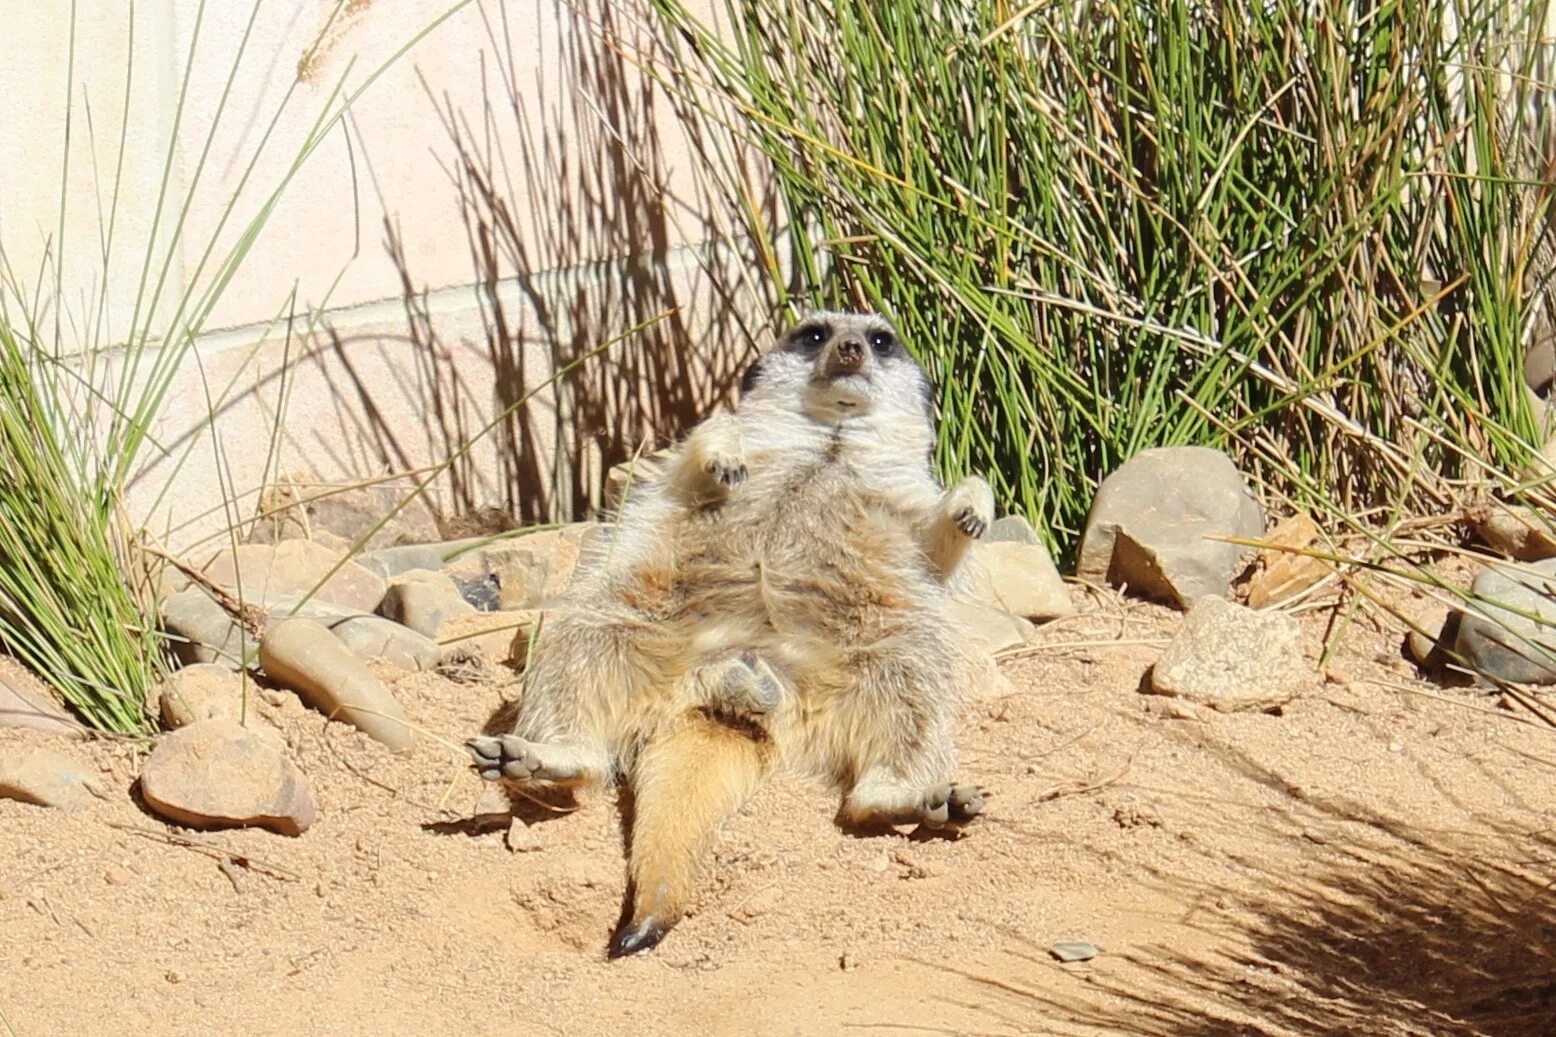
{"x":1074,"y":950}
{"x":521,"y":838}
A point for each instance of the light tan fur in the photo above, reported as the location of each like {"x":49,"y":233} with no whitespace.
{"x":803,"y":540}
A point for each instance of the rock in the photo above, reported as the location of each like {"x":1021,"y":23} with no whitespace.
{"x":46,"y":778}
{"x":1014,"y":529}
{"x":369,"y":637}
{"x":1232,"y":658}
{"x":1498,"y":635}
{"x":292,"y":569}
{"x":622,"y":478}
{"x":1069,"y":951}
{"x":303,"y":655}
{"x":1433,"y":652}
{"x":301,"y":505}
{"x":1520,"y":533}
{"x":1016,"y":577}
{"x":480,"y":592}
{"x":423,"y":600}
{"x":392,"y":561}
{"x":1283,"y":574}
{"x":25,"y":701}
{"x":521,"y":837}
{"x":489,"y":637}
{"x":200,"y":692}
{"x":200,"y":631}
{"x":992,"y":630}
{"x":1150,"y":520}
{"x":522,"y":574}
{"x":215,"y":774}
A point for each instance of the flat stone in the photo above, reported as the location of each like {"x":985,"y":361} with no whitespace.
{"x":201,"y":631}
{"x":1013,"y":529}
{"x":1232,"y":658}
{"x":1283,"y":575}
{"x":1151,"y":520}
{"x":1016,"y":577}
{"x":302,"y":654}
{"x":390,"y":562}
{"x":216,"y":774}
{"x":422,"y":600}
{"x":991,"y":630}
{"x":25,"y":701}
{"x":1069,"y":951}
{"x":1508,"y":629}
{"x":292,"y":569}
{"x":46,"y":778}
{"x":522,"y":573}
{"x":201,"y":692}
{"x":1521,"y":533}
{"x":369,"y":637}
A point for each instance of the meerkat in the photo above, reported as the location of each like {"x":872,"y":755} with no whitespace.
{"x":799,"y":550}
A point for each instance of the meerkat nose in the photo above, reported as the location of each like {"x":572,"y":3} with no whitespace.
{"x":848,"y":355}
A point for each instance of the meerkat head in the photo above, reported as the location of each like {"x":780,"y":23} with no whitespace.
{"x":834,"y":367}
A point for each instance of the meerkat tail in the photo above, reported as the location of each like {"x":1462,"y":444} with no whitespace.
{"x":685,"y":783}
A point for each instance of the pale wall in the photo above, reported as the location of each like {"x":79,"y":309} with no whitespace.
{"x":377,"y":395}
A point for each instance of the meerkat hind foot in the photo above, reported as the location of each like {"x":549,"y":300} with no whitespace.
{"x":749,"y":686}
{"x":951,"y":805}
{"x":519,"y":759}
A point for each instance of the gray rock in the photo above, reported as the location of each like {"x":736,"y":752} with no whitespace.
{"x":1016,"y":577}
{"x":1013,"y":529}
{"x":200,"y":631}
{"x":369,"y":637}
{"x":1232,"y":658}
{"x":423,"y":600}
{"x":25,"y":701}
{"x":1069,"y":951}
{"x":1149,"y":524}
{"x":216,"y":774}
{"x":992,"y":630}
{"x":46,"y":778}
{"x":522,"y":573}
{"x":390,"y":562}
{"x":260,"y":573}
{"x":200,"y":692}
{"x":1508,"y":629}
{"x":480,"y":592}
{"x":305,"y":656}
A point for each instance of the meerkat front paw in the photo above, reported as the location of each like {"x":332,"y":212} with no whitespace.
{"x":518,"y":759}
{"x":726,"y":468}
{"x":951,"y":805}
{"x":970,"y":505}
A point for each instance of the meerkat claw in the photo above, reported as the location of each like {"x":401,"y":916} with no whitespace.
{"x":725,"y":473}
{"x":636,"y":938}
{"x":970,"y":522}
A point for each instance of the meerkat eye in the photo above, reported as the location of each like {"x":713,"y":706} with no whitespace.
{"x":882,"y":342}
{"x":810,"y":338}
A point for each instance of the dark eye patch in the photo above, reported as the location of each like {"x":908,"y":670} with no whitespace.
{"x":749,"y":379}
{"x":808,"y":338}
{"x":884,"y":343}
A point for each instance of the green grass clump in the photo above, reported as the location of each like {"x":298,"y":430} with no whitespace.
{"x":1305,"y":231}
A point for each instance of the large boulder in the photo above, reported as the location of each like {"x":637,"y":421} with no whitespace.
{"x":1152,"y":522}
{"x":1016,"y":577}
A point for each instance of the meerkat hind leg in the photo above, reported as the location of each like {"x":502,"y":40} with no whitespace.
{"x":882,"y":799}
{"x":519,"y":759}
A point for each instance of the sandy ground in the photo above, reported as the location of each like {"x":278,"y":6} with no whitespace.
{"x":1373,"y":861}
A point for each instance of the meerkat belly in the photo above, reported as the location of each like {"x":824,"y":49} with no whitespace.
{"x":809,"y":559}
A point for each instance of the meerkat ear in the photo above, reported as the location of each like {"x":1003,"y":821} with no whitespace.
{"x":749,"y":379}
